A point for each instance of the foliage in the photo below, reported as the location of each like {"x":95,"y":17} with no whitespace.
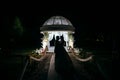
{"x":36,"y":55}
{"x":84,"y":53}
{"x":17,"y":27}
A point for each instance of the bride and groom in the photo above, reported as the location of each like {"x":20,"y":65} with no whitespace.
{"x":63,"y":63}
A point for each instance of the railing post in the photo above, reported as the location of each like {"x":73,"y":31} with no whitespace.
{"x":24,"y":69}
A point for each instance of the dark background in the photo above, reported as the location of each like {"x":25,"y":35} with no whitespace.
{"x":89,"y":19}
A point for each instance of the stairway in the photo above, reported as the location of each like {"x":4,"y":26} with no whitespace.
{"x":38,"y":70}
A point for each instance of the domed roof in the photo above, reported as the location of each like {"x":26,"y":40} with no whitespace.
{"x":57,"y":23}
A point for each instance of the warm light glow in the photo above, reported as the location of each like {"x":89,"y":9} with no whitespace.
{"x":58,"y":33}
{"x":71,"y":43}
{"x":38,"y":51}
{"x":50,"y":34}
{"x":44,"y":43}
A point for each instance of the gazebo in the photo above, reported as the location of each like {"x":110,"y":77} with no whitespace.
{"x":57,"y":26}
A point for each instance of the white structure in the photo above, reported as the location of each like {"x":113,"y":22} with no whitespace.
{"x":57,"y":26}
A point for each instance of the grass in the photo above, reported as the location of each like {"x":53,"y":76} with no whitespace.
{"x":103,"y":58}
{"x":105,"y":62}
{"x":11,"y":66}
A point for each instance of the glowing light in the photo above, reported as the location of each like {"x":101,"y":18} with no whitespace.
{"x":57,"y":20}
{"x":44,"y":43}
{"x":57,"y":26}
{"x":71,"y":43}
{"x":76,"y":50}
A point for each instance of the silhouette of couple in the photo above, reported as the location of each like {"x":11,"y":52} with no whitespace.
{"x":59,"y":41}
{"x":63,"y":63}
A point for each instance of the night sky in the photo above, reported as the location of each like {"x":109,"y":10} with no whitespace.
{"x":89,"y":22}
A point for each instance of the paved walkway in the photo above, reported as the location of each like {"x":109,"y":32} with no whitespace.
{"x":52,"y":74}
{"x":45,"y":70}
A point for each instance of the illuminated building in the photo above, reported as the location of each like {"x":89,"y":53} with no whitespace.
{"x":57,"y":26}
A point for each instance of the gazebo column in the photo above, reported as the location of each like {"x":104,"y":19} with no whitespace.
{"x":71,"y":41}
{"x":45,"y":42}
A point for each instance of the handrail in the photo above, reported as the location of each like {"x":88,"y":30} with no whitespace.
{"x":80,"y":59}
{"x":84,"y":60}
{"x":36,"y":59}
{"x":24,"y":69}
{"x":101,"y":70}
